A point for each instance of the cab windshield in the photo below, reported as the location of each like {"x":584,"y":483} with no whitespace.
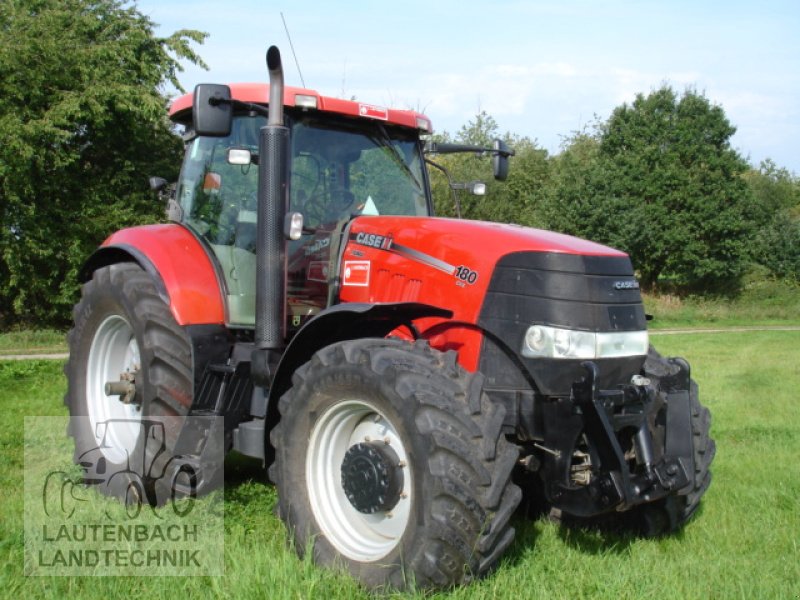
{"x":347,"y":168}
{"x":340,"y":168}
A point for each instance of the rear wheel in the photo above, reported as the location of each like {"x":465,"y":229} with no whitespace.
{"x":391,"y":462}
{"x":129,"y":384}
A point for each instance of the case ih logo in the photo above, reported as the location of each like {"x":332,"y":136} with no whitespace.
{"x":373,"y":240}
{"x":626,"y":285}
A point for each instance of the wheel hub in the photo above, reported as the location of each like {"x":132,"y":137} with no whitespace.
{"x":114,"y":353}
{"x":372,"y":477}
{"x":125,"y":388}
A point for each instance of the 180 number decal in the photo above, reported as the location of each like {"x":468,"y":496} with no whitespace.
{"x":466,"y":275}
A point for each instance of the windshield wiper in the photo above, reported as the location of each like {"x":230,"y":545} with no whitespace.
{"x":385,"y":141}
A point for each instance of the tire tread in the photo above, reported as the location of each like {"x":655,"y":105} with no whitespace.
{"x":468,"y":512}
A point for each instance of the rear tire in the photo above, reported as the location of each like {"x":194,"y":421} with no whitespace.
{"x":437,"y":520}
{"x":122,"y":326}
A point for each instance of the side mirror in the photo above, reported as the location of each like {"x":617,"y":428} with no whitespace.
{"x":158,"y":184}
{"x":165,"y":191}
{"x":500,"y":160}
{"x":476,"y":188}
{"x":212,"y":110}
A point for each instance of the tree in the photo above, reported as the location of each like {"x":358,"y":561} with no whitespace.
{"x":687,"y":204}
{"x":529,"y":178}
{"x":660,"y":180}
{"x":579,"y":200}
{"x":776,"y":194}
{"x":479,"y":131}
{"x":512,"y":201}
{"x":774,"y":190}
{"x":777,"y":246}
{"x":83,"y":123}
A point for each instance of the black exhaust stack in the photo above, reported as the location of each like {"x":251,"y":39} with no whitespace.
{"x":273,"y":202}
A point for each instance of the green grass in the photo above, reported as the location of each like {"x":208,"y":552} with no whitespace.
{"x":743,"y":543}
{"x":25,"y":341}
{"x":761,"y":302}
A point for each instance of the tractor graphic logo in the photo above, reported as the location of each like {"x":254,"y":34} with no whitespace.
{"x":150,"y":477}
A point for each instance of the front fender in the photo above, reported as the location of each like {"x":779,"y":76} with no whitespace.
{"x":338,"y":323}
{"x":177,"y":261}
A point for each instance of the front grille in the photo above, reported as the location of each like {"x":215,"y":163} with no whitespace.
{"x":564,"y":290}
{"x":589,"y":293}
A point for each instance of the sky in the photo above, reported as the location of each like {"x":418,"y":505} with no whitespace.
{"x":542,"y":69}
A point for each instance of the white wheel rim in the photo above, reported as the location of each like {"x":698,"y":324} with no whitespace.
{"x":115,"y":424}
{"x":358,"y":536}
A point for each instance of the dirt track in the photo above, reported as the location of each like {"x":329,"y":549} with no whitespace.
{"x":726,"y":330}
{"x":61,"y":356}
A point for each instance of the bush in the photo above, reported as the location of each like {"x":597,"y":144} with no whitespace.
{"x":777,"y":247}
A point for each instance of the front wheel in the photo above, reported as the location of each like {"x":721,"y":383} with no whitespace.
{"x":671,"y":513}
{"x":391,"y":461}
{"x":129,"y":384}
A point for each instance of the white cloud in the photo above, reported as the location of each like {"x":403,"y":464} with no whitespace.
{"x":501,"y":90}
{"x":627,"y":83}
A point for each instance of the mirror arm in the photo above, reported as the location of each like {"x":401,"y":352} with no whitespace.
{"x":256,"y":108}
{"x":449,"y":184}
{"x":447,"y":148}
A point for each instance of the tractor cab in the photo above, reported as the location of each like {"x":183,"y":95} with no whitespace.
{"x":341,"y":166}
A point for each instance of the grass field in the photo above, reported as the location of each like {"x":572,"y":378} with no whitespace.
{"x":761,"y":302}
{"x":743,"y":544}
{"x":43,"y":341}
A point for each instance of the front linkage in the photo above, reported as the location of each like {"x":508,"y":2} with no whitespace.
{"x":611,"y":450}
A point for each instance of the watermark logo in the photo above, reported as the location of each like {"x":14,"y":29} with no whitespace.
{"x":124,"y":497}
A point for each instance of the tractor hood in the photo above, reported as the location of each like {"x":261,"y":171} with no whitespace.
{"x":496,"y":279}
{"x":444,"y":262}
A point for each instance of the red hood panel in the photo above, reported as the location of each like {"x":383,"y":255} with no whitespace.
{"x":443,"y":262}
{"x":497,"y":239}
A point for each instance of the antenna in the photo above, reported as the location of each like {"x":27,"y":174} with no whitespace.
{"x":291,"y":45}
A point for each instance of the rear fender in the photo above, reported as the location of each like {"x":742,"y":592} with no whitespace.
{"x":179,"y":264}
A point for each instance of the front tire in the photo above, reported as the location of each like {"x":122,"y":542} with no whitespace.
{"x":391,"y":461}
{"x":125,"y":334}
{"x":675,"y":511}
{"x":671,"y":513}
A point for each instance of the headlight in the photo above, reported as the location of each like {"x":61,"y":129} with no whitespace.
{"x":554,"y":342}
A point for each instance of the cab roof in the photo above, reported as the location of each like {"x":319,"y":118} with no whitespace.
{"x":258,"y":93}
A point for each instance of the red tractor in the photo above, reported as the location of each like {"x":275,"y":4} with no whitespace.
{"x":407,"y":379}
